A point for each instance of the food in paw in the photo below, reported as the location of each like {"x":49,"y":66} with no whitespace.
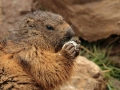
{"x":71,"y":42}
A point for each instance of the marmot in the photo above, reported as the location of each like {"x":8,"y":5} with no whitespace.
{"x":33,"y":57}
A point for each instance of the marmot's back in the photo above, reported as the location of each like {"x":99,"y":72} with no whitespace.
{"x":33,"y":57}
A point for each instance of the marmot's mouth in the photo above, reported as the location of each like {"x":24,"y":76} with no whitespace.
{"x":62,"y":42}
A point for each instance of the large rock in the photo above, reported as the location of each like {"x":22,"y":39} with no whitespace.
{"x":87,"y":76}
{"x":91,"y":19}
{"x":11,"y":12}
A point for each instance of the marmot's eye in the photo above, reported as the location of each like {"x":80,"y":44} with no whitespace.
{"x":49,"y":27}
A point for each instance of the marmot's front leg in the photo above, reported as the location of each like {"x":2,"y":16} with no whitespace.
{"x":71,"y":49}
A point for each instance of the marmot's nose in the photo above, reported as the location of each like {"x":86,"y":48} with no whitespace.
{"x":69,"y":32}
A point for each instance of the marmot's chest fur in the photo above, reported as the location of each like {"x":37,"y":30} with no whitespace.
{"x":33,"y":57}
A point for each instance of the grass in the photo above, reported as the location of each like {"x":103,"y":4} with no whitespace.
{"x":95,"y":53}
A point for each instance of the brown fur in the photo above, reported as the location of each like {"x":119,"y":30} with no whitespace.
{"x":32,"y":58}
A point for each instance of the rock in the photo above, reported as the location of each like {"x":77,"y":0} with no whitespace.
{"x":87,"y":76}
{"x":11,"y":12}
{"x":91,"y":19}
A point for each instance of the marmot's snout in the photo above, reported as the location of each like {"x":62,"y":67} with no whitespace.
{"x":69,"y":32}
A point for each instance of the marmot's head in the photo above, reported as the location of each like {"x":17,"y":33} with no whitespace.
{"x":45,"y":29}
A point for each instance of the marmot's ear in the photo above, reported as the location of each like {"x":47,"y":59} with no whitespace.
{"x":30,"y":22}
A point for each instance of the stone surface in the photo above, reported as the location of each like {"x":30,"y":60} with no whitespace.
{"x":87,"y":76}
{"x":11,"y":12}
{"x":91,"y":19}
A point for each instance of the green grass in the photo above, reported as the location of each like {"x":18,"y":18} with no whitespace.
{"x":99,"y":55}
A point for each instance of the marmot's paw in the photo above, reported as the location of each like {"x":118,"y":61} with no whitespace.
{"x":71,"y":48}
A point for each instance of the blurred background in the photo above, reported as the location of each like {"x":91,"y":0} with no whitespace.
{"x":96,"y":22}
